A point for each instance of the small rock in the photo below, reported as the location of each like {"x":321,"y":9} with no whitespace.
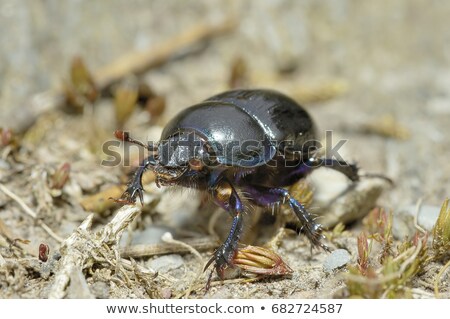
{"x":166,"y":263}
{"x":403,"y":223}
{"x":4,"y":165}
{"x":428,"y":216}
{"x":341,"y":201}
{"x":100,"y":290}
{"x":150,"y":235}
{"x":336,"y":259}
{"x":166,"y":293}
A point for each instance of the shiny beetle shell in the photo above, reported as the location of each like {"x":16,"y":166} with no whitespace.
{"x":247,"y":115}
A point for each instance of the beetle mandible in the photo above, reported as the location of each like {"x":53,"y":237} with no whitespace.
{"x":252,"y":142}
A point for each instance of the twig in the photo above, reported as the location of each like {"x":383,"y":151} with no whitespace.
{"x":24,"y":206}
{"x":134,"y":62}
{"x":112,"y":231}
{"x":72,"y":260}
{"x":438,"y":279}
{"x":167,"y":237}
{"x":139,"y":62}
{"x":199,"y":244}
{"x":81,"y":249}
{"x":49,"y":231}
{"x":416,"y":217}
{"x":31,"y":213}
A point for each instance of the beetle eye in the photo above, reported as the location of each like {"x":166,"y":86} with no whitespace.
{"x":195,"y":164}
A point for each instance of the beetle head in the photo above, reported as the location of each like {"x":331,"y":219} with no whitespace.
{"x":182,"y":153}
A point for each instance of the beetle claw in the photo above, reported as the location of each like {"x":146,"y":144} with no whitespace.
{"x":130,"y":194}
{"x":221,"y":262}
{"x":134,"y":191}
{"x":316,"y":239}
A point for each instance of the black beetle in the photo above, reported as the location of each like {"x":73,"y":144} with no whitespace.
{"x":241,"y":142}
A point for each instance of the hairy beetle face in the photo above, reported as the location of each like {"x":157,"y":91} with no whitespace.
{"x":182,"y":153}
{"x":167,"y":175}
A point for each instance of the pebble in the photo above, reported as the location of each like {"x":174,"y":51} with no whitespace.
{"x":339,"y":200}
{"x":4,"y":165}
{"x":336,"y":259}
{"x":100,"y":289}
{"x":166,"y":263}
{"x":166,"y":293}
{"x":403,"y":223}
{"x":150,"y":235}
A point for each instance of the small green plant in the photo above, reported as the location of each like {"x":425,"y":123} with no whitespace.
{"x":363,"y":254}
{"x":392,"y":278}
{"x":379,"y":224}
{"x":391,"y":273}
{"x":335,"y":233}
{"x":441,"y":234}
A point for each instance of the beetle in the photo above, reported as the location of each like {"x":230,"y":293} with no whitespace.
{"x":243,"y":147}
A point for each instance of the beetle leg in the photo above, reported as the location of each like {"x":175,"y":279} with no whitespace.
{"x":349,"y":170}
{"x":226,"y":196}
{"x":135,"y":187}
{"x":306,"y":167}
{"x":264,"y":196}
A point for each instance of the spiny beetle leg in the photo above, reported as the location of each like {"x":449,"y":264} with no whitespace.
{"x":264,"y":196}
{"x":226,"y":197}
{"x":135,"y":187}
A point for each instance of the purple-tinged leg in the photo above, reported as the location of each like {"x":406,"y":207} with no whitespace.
{"x":264,"y":196}
{"x":226,"y":197}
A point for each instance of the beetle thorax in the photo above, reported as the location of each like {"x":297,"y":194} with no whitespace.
{"x":179,"y":149}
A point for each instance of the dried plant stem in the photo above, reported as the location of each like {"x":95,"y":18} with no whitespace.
{"x":83,"y":248}
{"x":416,"y":217}
{"x":438,"y":279}
{"x":72,"y":259}
{"x":146,"y":250}
{"x":31,"y":213}
{"x":139,"y":62}
{"x":112,"y":231}
{"x":134,"y":62}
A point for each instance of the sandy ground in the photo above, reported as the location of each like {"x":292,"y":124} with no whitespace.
{"x":388,"y":60}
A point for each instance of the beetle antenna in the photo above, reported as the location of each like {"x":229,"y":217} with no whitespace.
{"x":125,"y":136}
